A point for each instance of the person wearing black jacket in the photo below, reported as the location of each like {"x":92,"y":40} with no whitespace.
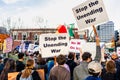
{"x":19,"y":63}
{"x":70,"y":62}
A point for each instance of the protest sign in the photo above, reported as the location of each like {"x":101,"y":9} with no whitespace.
{"x":90,"y":13}
{"x":22,"y":47}
{"x":118,"y":51}
{"x":91,"y":47}
{"x":54,"y":44}
{"x":7,"y":46}
{"x":75,"y":45}
{"x":31,"y":48}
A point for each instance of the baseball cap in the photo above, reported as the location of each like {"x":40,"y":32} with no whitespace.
{"x":94,"y":67}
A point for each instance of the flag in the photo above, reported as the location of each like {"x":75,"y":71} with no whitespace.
{"x":61,"y":29}
{"x":70,"y":30}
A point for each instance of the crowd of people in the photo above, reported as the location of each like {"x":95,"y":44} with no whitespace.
{"x":63,"y":67}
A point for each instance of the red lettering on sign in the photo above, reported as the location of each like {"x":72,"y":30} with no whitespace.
{"x":77,"y":48}
{"x":71,"y":47}
{"x":78,"y":43}
{"x":73,"y":42}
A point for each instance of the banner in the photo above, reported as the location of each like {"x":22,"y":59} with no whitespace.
{"x":90,"y":13}
{"x":54,"y":44}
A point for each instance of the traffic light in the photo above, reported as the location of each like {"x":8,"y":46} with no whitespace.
{"x":116,"y":36}
{"x":98,"y":27}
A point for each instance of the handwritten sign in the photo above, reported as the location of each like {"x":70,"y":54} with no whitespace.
{"x":75,"y":45}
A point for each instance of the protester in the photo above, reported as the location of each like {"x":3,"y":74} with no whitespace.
{"x":41,"y":64}
{"x":28,"y":73}
{"x":114,"y":57}
{"x":59,"y":72}
{"x":10,"y":66}
{"x":70,"y":62}
{"x":50,"y":64}
{"x":1,"y":64}
{"x":19,"y":63}
{"x":109,"y":72}
{"x":81,"y":71}
{"x":94,"y":68}
{"x":1,"y":59}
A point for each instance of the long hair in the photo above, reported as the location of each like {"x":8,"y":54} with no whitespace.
{"x":110,"y":66}
{"x":10,"y":66}
{"x":29,"y":66}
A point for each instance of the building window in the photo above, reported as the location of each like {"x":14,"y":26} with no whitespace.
{"x":24,"y":36}
{"x":15,"y":35}
{"x":35,"y":37}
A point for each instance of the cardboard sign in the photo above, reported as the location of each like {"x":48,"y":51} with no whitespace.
{"x":22,"y":47}
{"x":54,"y":44}
{"x":13,"y":75}
{"x":75,"y":45}
{"x":90,"y":13}
{"x":41,"y":73}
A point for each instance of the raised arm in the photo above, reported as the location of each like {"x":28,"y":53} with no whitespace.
{"x":98,"y":50}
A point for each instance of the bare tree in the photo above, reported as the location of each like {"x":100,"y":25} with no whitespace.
{"x":39,"y":21}
{"x":19,"y":23}
{"x":8,"y":23}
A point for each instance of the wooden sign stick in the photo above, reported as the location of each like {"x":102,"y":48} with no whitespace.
{"x":55,"y":60}
{"x":95,"y":31}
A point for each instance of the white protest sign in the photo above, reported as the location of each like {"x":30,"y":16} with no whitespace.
{"x":54,"y":44}
{"x":118,"y":51}
{"x":31,"y":48}
{"x":90,"y":13}
{"x":22,"y":47}
{"x":75,"y":45}
{"x":90,"y":47}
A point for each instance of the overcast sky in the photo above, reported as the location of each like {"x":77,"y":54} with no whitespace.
{"x":53,"y":12}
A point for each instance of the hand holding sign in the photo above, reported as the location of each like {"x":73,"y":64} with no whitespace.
{"x":95,"y":32}
{"x":90,"y":12}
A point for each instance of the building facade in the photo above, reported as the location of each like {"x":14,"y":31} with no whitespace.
{"x":106,"y":31}
{"x":32,"y":35}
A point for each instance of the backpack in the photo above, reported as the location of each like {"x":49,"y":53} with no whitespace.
{"x":28,"y":78}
